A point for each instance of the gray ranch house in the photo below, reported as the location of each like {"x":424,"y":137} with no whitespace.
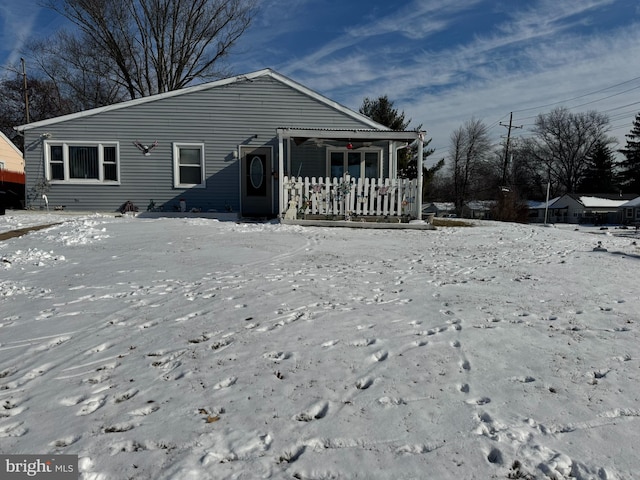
{"x":254,"y":145}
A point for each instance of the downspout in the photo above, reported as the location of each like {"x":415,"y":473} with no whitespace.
{"x":280,"y":174}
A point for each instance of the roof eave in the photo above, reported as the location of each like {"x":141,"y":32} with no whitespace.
{"x":349,"y":134}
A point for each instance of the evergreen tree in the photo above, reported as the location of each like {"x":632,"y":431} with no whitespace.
{"x":381,"y":110}
{"x":630,"y":167}
{"x":599,"y":176}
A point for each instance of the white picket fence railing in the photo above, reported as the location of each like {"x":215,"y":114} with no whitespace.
{"x":347,"y":197}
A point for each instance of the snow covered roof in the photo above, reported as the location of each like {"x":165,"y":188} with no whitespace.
{"x":632,"y":203}
{"x":533,"y":204}
{"x":595,"y":202}
{"x":480,"y":204}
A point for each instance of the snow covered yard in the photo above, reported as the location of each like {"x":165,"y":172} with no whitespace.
{"x":196,"y":349}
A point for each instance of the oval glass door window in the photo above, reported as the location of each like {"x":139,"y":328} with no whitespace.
{"x":256,"y":172}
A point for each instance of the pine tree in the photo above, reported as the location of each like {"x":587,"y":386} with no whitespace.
{"x":599,"y":176}
{"x":382,"y":110}
{"x":630,"y":167}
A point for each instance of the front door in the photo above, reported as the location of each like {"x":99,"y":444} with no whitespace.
{"x":256,"y":183}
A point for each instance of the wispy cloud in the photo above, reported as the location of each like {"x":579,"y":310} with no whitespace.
{"x":18,"y":21}
{"x":533,"y":55}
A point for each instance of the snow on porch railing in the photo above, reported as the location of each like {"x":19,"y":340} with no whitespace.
{"x":347,"y":197}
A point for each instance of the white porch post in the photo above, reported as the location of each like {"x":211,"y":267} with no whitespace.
{"x":420,"y":173}
{"x":393,"y":159}
{"x":280,"y":174}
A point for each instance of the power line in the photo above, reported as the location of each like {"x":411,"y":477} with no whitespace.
{"x":579,"y":96}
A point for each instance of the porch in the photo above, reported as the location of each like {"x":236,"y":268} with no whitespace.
{"x":347,"y":176}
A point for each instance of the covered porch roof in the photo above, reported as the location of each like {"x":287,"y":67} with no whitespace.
{"x":300,"y":135}
{"x":354,"y":138}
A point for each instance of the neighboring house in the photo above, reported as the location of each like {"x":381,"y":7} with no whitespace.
{"x":597,"y":209}
{"x":479,"y":209}
{"x":439,"y":208}
{"x":11,"y":174}
{"x":630,"y":212}
{"x":259,"y":145}
{"x":539,"y":212}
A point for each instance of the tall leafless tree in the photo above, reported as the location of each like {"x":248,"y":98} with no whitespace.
{"x":564,"y":141}
{"x":154,"y":46}
{"x":469,"y":149}
{"x":45,"y":102}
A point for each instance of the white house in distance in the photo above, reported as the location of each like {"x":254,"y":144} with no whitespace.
{"x":539,"y":211}
{"x":595,"y":209}
{"x":11,"y":174}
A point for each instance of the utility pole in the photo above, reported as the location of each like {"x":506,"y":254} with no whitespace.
{"x":26,"y":91}
{"x":506,"y":150}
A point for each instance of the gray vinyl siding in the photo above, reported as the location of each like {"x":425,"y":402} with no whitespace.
{"x":221,"y":118}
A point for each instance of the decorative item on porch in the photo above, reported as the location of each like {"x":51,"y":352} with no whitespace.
{"x":292,"y":211}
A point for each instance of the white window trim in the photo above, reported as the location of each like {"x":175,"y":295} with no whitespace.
{"x":176,"y":165}
{"x":346,"y":151}
{"x":65,"y":162}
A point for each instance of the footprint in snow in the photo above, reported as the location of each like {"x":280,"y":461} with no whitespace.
{"x":99,"y":348}
{"x":11,"y":408}
{"x":74,"y":400}
{"x":144,"y":411}
{"x":479,"y":401}
{"x":119,"y":427}
{"x":226,"y":383}
{"x":380,"y":356}
{"x":363,"y":342}
{"x":277,"y":356}
{"x":12,"y":430}
{"x":52,"y":343}
{"x":364,"y":383}
{"x":123,"y":397}
{"x":65,"y":441}
{"x":91,"y":405}
{"x":315,"y":412}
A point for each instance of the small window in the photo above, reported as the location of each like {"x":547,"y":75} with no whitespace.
{"x":80,"y":162}
{"x":110,"y":165}
{"x":188,"y":165}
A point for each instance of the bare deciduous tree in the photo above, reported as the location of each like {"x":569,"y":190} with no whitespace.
{"x":564,"y":142}
{"x":154,"y":46}
{"x":469,"y":149}
{"x":44,"y":102}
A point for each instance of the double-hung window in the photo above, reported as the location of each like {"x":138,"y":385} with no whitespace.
{"x":82,"y":162}
{"x":357,"y":163}
{"x":188,"y":165}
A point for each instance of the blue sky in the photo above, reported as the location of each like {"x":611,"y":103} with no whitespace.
{"x":441,"y":61}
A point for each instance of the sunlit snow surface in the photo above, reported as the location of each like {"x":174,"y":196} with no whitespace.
{"x":197,"y":349}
